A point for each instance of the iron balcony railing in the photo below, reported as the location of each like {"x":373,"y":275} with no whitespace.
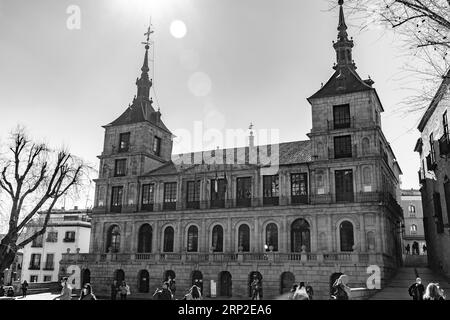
{"x":49,"y":265}
{"x":342,"y":123}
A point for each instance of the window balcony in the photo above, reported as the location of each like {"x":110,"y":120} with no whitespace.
{"x":69,"y":240}
{"x":169,"y":206}
{"x":343,"y":123}
{"x":147,"y":207}
{"x":49,"y":265}
{"x":302,"y":199}
{"x":34,"y":266}
{"x":245,"y":202}
{"x":217,"y":203}
{"x":193,"y":204}
{"x":116,"y":209}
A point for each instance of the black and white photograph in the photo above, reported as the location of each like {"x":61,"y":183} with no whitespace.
{"x":240,"y":151}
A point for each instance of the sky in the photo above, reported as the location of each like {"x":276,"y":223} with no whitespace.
{"x":221,"y":64}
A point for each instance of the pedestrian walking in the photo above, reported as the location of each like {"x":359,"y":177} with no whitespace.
{"x":309,"y":290}
{"x":86,"y":293}
{"x":124,"y":290}
{"x":407,"y":248}
{"x":114,"y":290}
{"x":24,"y":288}
{"x":340,"y":290}
{"x":292,"y":291}
{"x":66,"y":292}
{"x":416,"y":290}
{"x":172,"y":285}
{"x":164,"y":293}
{"x":193,"y":294}
{"x":10,"y":292}
{"x":433,"y":292}
{"x":256,"y":288}
{"x":415,"y":248}
{"x":300,"y":292}
{"x":424,"y":249}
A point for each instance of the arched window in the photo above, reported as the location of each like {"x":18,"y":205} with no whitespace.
{"x":272,"y":237}
{"x":145,"y":239}
{"x":113,"y":239}
{"x":244,"y":238}
{"x":412,"y":209}
{"x":168,"y":239}
{"x":192,"y":239}
{"x":370,"y":240}
{"x":347,"y":237}
{"x":300,"y":236}
{"x":217,"y":239}
{"x":413,"y":229}
{"x":365,"y":146}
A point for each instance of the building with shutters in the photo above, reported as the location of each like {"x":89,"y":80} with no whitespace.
{"x":434,"y":148}
{"x":289,"y":212}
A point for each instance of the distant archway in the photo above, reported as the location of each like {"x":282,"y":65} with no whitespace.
{"x":144,"y":281}
{"x":197,"y":279}
{"x":287,"y":281}
{"x":225,"y":284}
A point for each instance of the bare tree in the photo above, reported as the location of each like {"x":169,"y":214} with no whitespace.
{"x":32,"y":179}
{"x":424,"y":29}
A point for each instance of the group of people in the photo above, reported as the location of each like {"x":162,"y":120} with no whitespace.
{"x":301,"y":292}
{"x":123,"y":289}
{"x":66,"y":291}
{"x":418,"y":292}
{"x":415,"y":248}
{"x":8,"y":291}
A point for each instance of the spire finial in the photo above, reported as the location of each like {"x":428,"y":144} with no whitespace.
{"x":144,"y":82}
{"x":344,"y":45}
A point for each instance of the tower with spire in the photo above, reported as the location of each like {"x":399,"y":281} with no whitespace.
{"x":351,"y":153}
{"x":136,"y":142}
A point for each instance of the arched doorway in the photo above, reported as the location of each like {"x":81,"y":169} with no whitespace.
{"x":300,"y":235}
{"x":217,"y":239}
{"x":119,"y":275}
{"x":145,"y":239}
{"x":197,"y":279}
{"x":287,"y":281}
{"x":85,"y":276}
{"x":251,"y":277}
{"x":144,"y":281}
{"x":333,"y":279}
{"x":225,"y":284}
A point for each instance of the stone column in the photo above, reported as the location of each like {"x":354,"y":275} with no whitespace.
{"x":315,"y":236}
{"x":256,"y":245}
{"x":157,"y":237}
{"x":383,"y":233}
{"x":229,"y":235}
{"x":362,"y":233}
{"x":179,"y":237}
{"x":285,"y":237}
{"x":203,"y":236}
{"x":378,"y":235}
{"x":331,"y":237}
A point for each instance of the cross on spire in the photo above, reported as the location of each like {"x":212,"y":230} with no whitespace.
{"x":148,"y":34}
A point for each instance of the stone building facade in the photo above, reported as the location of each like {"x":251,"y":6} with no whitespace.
{"x":288,"y":212}
{"x":411,"y":203}
{"x":434,"y":148}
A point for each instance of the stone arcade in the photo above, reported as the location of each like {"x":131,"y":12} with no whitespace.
{"x":222,"y":216}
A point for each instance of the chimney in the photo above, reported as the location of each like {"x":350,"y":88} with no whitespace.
{"x":75,"y":208}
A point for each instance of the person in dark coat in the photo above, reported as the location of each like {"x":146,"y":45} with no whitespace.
{"x":309,"y":291}
{"x":2,"y":291}
{"x":424,"y":249}
{"x":415,"y":248}
{"x":340,"y":290}
{"x":164,"y":293}
{"x":86,"y":293}
{"x":114,"y":290}
{"x":24,"y":288}
{"x":407,"y":248}
{"x":416,"y":290}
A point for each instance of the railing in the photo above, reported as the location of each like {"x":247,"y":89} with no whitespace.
{"x":34,"y":266}
{"x":345,"y":123}
{"x":219,"y":257}
{"x":49,"y":265}
{"x":383,"y":198}
{"x":69,"y":240}
{"x":351,"y":153}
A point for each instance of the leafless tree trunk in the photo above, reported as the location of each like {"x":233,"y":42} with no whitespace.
{"x":35,"y":175}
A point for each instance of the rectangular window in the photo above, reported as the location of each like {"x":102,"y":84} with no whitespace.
{"x":271,"y":190}
{"x":342,"y":147}
{"x":344,"y":185}
{"x":35,"y":261}
{"x":120,"y":168}
{"x":445,"y":124}
{"x":341,"y":116}
{"x":432,"y":154}
{"x":170,"y":196}
{"x":218,"y":190}
{"x":447,"y":199}
{"x":243,"y":192}
{"x":33,"y":279}
{"x":47,"y":278}
{"x":49,"y":263}
{"x":70,"y":236}
{"x":299,"y":188}
{"x":124,"y":142}
{"x":52,"y":236}
{"x":438,"y":212}
{"x":157,"y":146}
{"x":37,"y":242}
{"x":116,"y":199}
{"x":148,"y":197}
{"x":193,"y":195}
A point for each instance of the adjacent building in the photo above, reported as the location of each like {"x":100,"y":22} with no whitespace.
{"x":434,"y":149}
{"x":289,"y":212}
{"x":67,"y":231}
{"x":411,"y":203}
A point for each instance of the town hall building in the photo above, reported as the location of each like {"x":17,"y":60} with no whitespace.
{"x":328,"y":206}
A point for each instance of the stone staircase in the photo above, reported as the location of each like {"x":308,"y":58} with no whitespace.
{"x":397,"y":288}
